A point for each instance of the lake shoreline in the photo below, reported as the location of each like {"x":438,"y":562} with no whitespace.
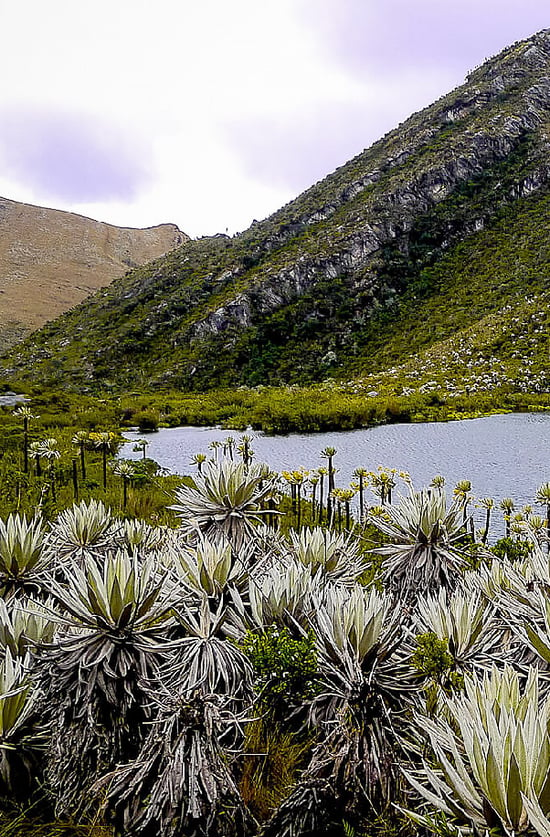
{"x":278,"y":411}
{"x":503,"y":455}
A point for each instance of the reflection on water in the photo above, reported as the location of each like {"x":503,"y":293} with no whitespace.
{"x":502,"y":456}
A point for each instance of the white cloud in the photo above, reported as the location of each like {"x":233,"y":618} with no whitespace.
{"x":232,"y":107}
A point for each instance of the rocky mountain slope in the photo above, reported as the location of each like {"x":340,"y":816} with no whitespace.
{"x":438,"y":230}
{"x":52,"y":260}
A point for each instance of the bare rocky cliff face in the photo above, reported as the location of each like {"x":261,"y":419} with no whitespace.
{"x":51,"y":260}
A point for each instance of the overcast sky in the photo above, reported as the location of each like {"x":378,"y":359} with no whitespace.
{"x":215,"y":112}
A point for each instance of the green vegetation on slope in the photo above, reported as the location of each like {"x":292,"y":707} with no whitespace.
{"x":438,"y":232}
{"x":470,"y":329}
{"x":489,"y":295}
{"x":327,"y":332}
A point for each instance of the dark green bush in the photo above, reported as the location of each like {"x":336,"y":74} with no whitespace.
{"x":513,"y":550}
{"x":147,"y":422}
{"x":285,"y":668}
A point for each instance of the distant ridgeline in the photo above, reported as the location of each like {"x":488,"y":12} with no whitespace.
{"x":51,"y":260}
{"x":429,"y":250}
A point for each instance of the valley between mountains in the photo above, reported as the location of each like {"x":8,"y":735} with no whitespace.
{"x":419,"y":269}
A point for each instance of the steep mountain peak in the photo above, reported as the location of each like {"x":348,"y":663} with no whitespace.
{"x":530,"y":54}
{"x":313,"y":291}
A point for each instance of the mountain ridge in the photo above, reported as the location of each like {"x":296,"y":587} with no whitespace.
{"x":51,"y":259}
{"x":297,"y":297}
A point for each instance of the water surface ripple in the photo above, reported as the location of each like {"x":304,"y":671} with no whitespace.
{"x":503,"y":455}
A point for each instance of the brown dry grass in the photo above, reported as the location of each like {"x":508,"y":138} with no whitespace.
{"x":51,"y":260}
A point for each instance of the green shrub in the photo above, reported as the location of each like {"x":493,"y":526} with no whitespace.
{"x":147,"y":422}
{"x":512,"y":550}
{"x":432,"y":659}
{"x":285,"y":668}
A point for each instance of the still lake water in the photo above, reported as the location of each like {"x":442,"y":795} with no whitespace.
{"x":502,"y":456}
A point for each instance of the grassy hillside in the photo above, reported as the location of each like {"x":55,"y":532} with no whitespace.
{"x":51,"y":260}
{"x":477,"y":318}
{"x":420,"y":265}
